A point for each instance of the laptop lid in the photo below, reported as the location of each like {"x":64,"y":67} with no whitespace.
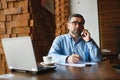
{"x":19,"y":53}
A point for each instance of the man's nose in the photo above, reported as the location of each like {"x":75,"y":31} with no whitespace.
{"x":77,"y":25}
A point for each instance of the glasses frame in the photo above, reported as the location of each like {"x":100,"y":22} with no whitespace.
{"x":75,"y":23}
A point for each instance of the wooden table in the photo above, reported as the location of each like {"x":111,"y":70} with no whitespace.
{"x":100,"y":71}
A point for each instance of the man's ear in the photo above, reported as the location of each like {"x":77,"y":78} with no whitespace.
{"x":68,"y":24}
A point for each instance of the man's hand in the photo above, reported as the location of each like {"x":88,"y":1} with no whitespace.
{"x":85,"y":35}
{"x":74,"y":58}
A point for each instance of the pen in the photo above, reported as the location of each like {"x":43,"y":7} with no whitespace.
{"x":76,"y":55}
{"x":73,"y":52}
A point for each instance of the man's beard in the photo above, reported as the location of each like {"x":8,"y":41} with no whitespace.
{"x":76,"y":33}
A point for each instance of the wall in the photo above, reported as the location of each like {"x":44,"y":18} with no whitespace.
{"x":61,"y":16}
{"x":109,"y":16}
{"x":26,"y":18}
{"x":15,"y":20}
{"x":89,"y":9}
{"x":43,"y":30}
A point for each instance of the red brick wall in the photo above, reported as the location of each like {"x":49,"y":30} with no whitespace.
{"x":61,"y":16}
{"x":11,"y":26}
{"x":26,"y":18}
{"x":29,"y":18}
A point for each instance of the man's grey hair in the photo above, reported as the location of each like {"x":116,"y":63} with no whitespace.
{"x":76,"y":15}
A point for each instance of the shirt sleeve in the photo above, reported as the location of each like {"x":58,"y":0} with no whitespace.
{"x":55,"y":51}
{"x":94,"y":51}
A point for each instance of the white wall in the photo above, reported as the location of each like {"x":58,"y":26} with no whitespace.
{"x":89,"y":9}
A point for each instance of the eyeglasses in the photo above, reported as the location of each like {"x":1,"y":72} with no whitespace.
{"x":74,"y":23}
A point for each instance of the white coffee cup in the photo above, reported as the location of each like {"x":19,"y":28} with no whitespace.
{"x":47,"y":59}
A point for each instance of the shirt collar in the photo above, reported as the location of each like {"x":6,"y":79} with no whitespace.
{"x":71,"y":37}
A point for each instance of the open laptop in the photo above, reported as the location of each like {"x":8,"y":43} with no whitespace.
{"x":20,"y":54}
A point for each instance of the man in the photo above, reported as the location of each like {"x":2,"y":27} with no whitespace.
{"x":75,"y":46}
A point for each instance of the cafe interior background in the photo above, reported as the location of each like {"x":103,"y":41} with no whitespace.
{"x":43,"y":20}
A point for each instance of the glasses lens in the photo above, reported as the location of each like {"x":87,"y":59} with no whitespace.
{"x":76,"y":23}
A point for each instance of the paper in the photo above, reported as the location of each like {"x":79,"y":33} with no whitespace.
{"x":6,"y":76}
{"x":75,"y":65}
{"x":80,"y":64}
{"x":92,"y":63}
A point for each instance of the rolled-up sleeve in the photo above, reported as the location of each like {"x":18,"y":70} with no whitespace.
{"x":94,"y":51}
{"x":55,"y":51}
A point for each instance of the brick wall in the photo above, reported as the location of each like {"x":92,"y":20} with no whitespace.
{"x":26,"y":18}
{"x":29,"y":18}
{"x":61,"y":16}
{"x":15,"y":20}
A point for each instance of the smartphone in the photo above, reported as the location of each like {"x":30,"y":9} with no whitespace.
{"x":82,"y":34}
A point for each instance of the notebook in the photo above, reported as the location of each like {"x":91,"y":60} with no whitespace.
{"x":20,"y":54}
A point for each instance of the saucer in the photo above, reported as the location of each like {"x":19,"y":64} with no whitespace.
{"x":50,"y":64}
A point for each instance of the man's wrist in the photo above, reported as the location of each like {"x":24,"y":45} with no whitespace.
{"x":67,"y":59}
{"x":89,"y":40}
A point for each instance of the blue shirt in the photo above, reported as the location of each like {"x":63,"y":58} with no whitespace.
{"x":64,"y":46}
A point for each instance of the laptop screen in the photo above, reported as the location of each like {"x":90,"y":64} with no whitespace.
{"x":19,"y":53}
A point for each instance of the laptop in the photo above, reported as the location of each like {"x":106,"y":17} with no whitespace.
{"x":20,"y":55}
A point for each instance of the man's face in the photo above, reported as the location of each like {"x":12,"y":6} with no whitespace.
{"x":75,"y":26}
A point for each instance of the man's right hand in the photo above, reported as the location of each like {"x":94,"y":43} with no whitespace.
{"x":74,"y":58}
